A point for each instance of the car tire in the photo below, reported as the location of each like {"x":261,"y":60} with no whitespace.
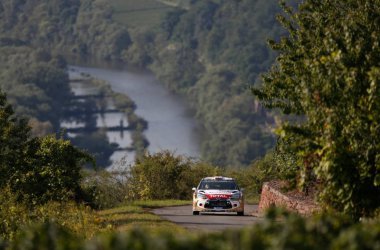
{"x":195,"y":212}
{"x":240,"y":213}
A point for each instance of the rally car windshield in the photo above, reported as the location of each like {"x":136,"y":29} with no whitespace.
{"x":223,"y":185}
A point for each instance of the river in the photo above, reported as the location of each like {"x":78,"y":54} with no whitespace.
{"x":171,"y":125}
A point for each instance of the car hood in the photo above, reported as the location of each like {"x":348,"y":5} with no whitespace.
{"x":218,"y":194}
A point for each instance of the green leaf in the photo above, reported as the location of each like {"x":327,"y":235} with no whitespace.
{"x":377,"y":180}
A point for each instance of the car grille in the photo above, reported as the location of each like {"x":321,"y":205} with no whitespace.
{"x":225,"y":204}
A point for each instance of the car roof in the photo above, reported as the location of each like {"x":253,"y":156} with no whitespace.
{"x":218,"y":178}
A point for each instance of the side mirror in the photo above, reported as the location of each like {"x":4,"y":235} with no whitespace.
{"x":194,"y":189}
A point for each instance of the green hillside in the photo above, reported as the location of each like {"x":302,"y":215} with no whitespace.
{"x":212,"y":53}
{"x":140,"y":14}
{"x":208,"y":51}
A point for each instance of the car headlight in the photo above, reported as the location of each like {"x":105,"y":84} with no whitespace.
{"x":201,"y":196}
{"x":236,"y":196}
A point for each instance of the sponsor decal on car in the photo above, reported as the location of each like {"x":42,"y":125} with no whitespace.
{"x":218,"y":196}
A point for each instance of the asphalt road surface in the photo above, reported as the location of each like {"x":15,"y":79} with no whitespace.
{"x":183,"y":216}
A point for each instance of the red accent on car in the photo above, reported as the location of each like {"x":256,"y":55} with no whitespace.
{"x":218,"y":196}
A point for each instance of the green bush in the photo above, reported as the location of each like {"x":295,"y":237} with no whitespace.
{"x":154,"y":177}
{"x":47,"y":236}
{"x":36,"y":169}
{"x":12,"y":215}
{"x":103,"y":189}
{"x":51,"y":172}
{"x":359,"y":237}
{"x":34,"y":173}
{"x":16,"y":215}
{"x":275,"y":165}
{"x":166,"y":176}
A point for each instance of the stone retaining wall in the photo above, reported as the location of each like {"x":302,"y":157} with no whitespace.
{"x":294,"y":201}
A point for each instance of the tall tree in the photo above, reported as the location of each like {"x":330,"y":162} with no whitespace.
{"x":13,"y":141}
{"x":328,"y":70}
{"x":38,"y":169}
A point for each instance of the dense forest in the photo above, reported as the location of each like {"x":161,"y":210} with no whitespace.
{"x":70,"y":26}
{"x":210,"y":52}
{"x":37,"y":82}
{"x":34,"y":75}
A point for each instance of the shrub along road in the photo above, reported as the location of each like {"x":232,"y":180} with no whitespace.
{"x":182,"y":215}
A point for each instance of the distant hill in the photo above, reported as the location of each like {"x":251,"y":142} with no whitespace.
{"x":76,"y":27}
{"x":210,"y":51}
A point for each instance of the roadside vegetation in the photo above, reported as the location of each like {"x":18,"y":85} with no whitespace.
{"x":137,"y":214}
{"x":293,"y":232}
{"x":81,"y":220}
{"x":43,"y":182}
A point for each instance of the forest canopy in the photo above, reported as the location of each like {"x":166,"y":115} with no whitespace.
{"x":212,"y":53}
{"x":208,"y":51}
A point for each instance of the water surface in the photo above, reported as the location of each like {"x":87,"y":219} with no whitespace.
{"x":170,"y":123}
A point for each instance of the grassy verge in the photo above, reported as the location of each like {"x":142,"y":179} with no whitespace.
{"x":137,"y":214}
{"x":161,"y":203}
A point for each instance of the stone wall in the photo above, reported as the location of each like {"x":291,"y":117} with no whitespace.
{"x":271,"y":194}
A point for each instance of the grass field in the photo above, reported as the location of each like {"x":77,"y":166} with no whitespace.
{"x":142,"y":14}
{"x":137,"y":214}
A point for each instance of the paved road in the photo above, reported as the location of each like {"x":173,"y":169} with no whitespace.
{"x":182,"y":215}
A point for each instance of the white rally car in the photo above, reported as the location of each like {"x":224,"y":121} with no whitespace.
{"x":218,"y":194}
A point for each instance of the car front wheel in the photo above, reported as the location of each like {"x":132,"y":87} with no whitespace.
{"x":240,"y":213}
{"x":195,"y":212}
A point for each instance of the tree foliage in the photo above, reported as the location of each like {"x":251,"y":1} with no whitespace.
{"x":277,"y":164}
{"x":166,"y":176}
{"x":210,"y":53}
{"x":77,"y":27}
{"x":329,"y":71}
{"x":13,"y":140}
{"x":36,"y":169}
{"x":52,"y":171}
{"x":36,"y":83}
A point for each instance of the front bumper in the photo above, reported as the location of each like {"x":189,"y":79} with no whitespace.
{"x":212,"y":206}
